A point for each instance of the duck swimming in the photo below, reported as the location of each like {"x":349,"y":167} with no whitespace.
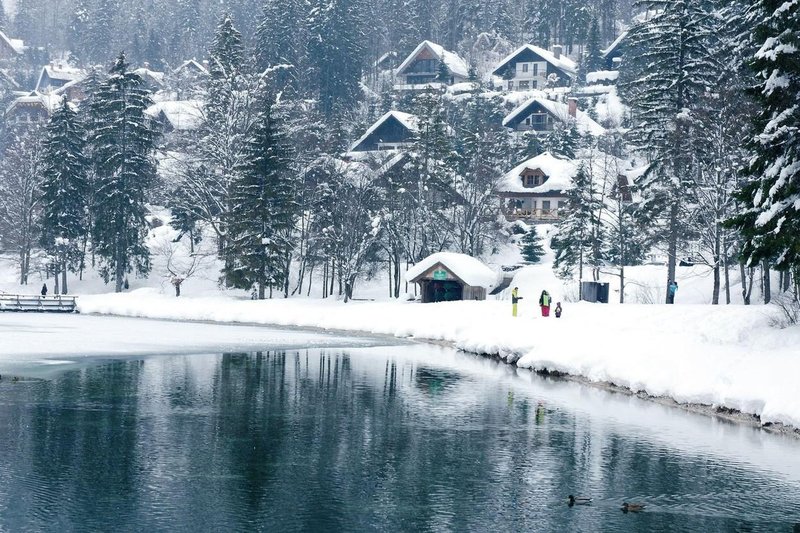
{"x":632,"y":507}
{"x":578,"y":501}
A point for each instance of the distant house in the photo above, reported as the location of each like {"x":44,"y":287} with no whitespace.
{"x":447,"y":277}
{"x":33,"y":109}
{"x":7,"y":82}
{"x":541,"y":115}
{"x":10,"y":48}
{"x":531,"y":67}
{"x":153,"y":80}
{"x":421,"y":67}
{"x":387,"y":61}
{"x":394,"y":130}
{"x":177,"y":116}
{"x":613,"y":54}
{"x":56,"y":76}
{"x":536,"y":189}
{"x":190,"y":68}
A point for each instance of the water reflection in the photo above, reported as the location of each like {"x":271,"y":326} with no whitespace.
{"x":371,"y":439}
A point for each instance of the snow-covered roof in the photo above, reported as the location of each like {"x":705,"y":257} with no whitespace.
{"x":408,"y":121}
{"x":48,"y":101}
{"x":158,"y":77}
{"x":615,"y":44}
{"x":562,"y":63}
{"x":559,"y":171}
{"x":560,"y":111}
{"x":191,"y":64}
{"x":602,"y":75}
{"x":471,"y":271}
{"x":183,"y":115}
{"x":60,"y":72}
{"x":18,"y":45}
{"x":455,"y":64}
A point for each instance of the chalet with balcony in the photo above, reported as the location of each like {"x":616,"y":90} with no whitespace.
{"x":31,"y":110}
{"x":421,"y":68}
{"x":541,"y":115}
{"x":393,"y":131}
{"x":535,"y":190}
{"x":531,"y":67}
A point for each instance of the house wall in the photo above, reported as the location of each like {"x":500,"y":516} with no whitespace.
{"x":545,"y":207}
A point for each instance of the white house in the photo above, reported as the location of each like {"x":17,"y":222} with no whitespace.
{"x":535,"y":190}
{"x":531,"y":67}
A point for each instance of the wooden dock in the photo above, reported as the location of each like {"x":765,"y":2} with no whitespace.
{"x":38,"y":304}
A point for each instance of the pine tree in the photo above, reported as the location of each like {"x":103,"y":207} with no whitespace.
{"x":531,"y":247}
{"x":281,"y":41}
{"x":337,"y":54}
{"x":770,"y":223}
{"x":122,"y":144}
{"x":65,"y":191}
{"x":263,"y":209}
{"x":666,"y":75}
{"x":594,"y":56}
{"x":574,"y":241}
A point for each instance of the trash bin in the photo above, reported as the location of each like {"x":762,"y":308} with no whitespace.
{"x":594,"y":291}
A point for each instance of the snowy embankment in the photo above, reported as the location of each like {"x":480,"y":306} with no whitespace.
{"x":724,"y":356}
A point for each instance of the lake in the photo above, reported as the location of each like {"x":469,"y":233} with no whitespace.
{"x":409,"y":437}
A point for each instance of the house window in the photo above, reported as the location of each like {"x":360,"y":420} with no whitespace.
{"x":530,"y":181}
{"x":534,"y":84}
{"x":535,"y":69}
{"x":545,"y":206}
{"x":524,"y":84}
{"x":510,"y":85}
{"x":528,"y":121}
{"x":524,"y":67}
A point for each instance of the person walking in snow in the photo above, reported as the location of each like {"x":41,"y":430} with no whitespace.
{"x":515,"y":297}
{"x":558,"y":310}
{"x":672,"y":288}
{"x":44,"y":289}
{"x":544,"y":303}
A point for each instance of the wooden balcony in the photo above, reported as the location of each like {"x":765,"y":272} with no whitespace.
{"x":532,"y":215}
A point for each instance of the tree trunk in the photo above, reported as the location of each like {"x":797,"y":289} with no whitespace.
{"x":64,"y":278}
{"x":622,"y":284}
{"x":672,"y":250}
{"x":262,"y":293}
{"x":177,"y":289}
{"x":767,"y":282}
{"x":717,"y":245}
{"x":56,"y":280}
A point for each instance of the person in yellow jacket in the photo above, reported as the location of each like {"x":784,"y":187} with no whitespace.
{"x":515,"y":297}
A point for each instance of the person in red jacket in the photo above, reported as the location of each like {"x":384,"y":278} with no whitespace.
{"x":544,"y":302}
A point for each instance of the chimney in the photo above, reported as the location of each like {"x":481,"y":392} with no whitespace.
{"x":572,"y":106}
{"x":557,"y":51}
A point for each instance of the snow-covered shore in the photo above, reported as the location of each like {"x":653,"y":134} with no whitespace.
{"x":723,"y":356}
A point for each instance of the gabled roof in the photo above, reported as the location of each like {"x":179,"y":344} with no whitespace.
{"x":183,"y":115}
{"x":613,"y":46}
{"x":191,"y":64}
{"x":16,"y":44}
{"x":10,"y":81}
{"x":48,"y":101}
{"x":60,"y":72}
{"x":559,"y":171}
{"x":455,"y":64}
{"x":558,"y":110}
{"x":146,"y":73}
{"x":407,"y":120}
{"x":562,"y":63}
{"x":470,"y":270}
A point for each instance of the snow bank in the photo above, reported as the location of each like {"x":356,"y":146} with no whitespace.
{"x":727,"y":356}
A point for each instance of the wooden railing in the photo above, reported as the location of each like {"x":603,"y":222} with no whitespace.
{"x":38,"y":304}
{"x":543,"y":215}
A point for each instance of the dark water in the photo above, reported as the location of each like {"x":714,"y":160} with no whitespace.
{"x":381,"y":439}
